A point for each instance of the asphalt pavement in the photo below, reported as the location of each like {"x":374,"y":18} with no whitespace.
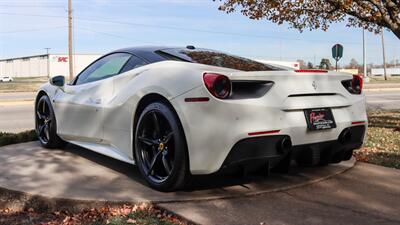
{"x":383,"y":100}
{"x":17,"y":117}
{"x":16,"y":109}
{"x":17,"y":96}
{"x":366,"y":194}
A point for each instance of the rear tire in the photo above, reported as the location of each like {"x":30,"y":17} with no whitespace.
{"x":46,"y":124}
{"x":348,"y":154}
{"x":160,"y":148}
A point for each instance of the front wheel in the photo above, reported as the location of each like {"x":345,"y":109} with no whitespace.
{"x":45,"y":123}
{"x":160,"y":148}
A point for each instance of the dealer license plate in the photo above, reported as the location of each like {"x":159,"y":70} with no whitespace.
{"x":319,"y":119}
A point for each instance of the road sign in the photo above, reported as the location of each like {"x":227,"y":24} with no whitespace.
{"x":337,"y":53}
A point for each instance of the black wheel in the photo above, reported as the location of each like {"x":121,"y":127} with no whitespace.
{"x":348,"y":154}
{"x":160,"y":148}
{"x":46,"y":126}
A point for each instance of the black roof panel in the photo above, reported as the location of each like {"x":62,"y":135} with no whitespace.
{"x":145,"y":52}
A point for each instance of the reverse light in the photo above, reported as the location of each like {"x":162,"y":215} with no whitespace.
{"x":218,"y":85}
{"x":355,"y":85}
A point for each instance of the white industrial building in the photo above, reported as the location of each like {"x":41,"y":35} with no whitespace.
{"x":293,"y":65}
{"x":389,"y":71}
{"x":44,"y":65}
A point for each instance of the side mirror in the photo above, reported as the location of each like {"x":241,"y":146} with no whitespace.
{"x":58,"y":81}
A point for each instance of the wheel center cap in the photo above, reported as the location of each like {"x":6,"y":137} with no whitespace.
{"x":161,"y":146}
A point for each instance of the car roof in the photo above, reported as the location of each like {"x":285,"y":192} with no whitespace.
{"x":146,"y":52}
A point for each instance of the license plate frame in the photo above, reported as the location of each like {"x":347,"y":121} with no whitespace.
{"x":319,"y":119}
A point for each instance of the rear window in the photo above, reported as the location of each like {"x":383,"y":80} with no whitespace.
{"x":215,"y":58}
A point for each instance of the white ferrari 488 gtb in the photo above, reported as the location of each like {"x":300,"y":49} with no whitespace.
{"x":177,"y":112}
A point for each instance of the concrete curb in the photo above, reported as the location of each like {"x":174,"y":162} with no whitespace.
{"x":381,"y":89}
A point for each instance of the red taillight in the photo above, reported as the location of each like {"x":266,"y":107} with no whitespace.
{"x":218,"y":85}
{"x":354,"y":86}
{"x":357,"y":84}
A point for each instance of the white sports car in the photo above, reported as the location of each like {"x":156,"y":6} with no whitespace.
{"x":175,"y":112}
{"x":6,"y":79}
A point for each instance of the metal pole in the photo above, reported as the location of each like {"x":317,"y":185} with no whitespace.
{"x":364,"y":55}
{"x":336,"y":64}
{"x":48,"y":62}
{"x":315,"y":61}
{"x":70,"y":46}
{"x":384,"y":54}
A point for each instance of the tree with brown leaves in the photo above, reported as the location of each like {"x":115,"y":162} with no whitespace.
{"x":371,"y":15}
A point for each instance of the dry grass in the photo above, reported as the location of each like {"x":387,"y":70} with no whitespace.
{"x":381,"y":80}
{"x":10,"y":138}
{"x":28,"y":84}
{"x":141,"y":214}
{"x":382,"y":146}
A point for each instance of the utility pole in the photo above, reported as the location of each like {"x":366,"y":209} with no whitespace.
{"x":70,"y":47}
{"x":315,"y":61}
{"x":364,"y":55}
{"x":48,"y":62}
{"x":384,"y":55}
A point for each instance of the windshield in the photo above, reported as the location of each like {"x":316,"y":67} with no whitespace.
{"x":215,"y":58}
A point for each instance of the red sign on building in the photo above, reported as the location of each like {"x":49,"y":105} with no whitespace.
{"x":62,"y":59}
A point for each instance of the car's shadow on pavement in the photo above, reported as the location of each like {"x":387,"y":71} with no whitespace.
{"x":198,"y":182}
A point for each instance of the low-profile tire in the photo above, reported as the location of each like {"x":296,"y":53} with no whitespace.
{"x":160,"y":148}
{"x":347,"y":155}
{"x":46,"y":125}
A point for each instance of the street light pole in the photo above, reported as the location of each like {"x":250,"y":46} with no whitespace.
{"x":70,"y":46}
{"x":364,"y":55}
{"x":384,"y":55}
{"x":48,"y":62}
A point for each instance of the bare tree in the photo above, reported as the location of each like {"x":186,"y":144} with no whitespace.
{"x":353,"y":64}
{"x":302,"y":64}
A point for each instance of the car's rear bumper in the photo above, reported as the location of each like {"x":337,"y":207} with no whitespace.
{"x":250,"y":151}
{"x":215,"y":128}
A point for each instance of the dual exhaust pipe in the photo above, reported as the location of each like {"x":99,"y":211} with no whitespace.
{"x":286,"y":144}
{"x":345,"y":136}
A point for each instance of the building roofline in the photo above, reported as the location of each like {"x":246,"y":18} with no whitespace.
{"x":51,"y":54}
{"x":24,"y":57}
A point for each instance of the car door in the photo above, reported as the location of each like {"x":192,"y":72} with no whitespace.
{"x":79,"y":106}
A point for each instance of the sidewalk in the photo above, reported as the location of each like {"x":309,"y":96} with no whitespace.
{"x":366,"y":194}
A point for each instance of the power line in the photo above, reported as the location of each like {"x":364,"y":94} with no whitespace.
{"x":116,"y":36}
{"x":27,"y":30}
{"x":181,"y":28}
{"x":103,"y":20}
{"x":32,"y":6}
{"x":32,"y":15}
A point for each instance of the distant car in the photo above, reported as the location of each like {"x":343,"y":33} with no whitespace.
{"x":175,"y":112}
{"x":6,"y":79}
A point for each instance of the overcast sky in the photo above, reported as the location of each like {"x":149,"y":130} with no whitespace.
{"x":29,"y":26}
